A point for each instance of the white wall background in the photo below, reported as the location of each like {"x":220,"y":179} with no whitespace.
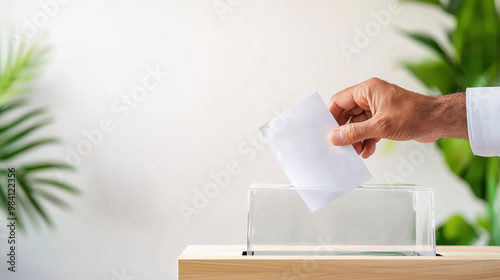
{"x":226,"y":79}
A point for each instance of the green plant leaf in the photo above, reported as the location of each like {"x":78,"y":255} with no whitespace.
{"x":57,"y":184}
{"x":434,"y":73}
{"x":475,"y":176}
{"x":484,"y":222}
{"x":19,"y":66}
{"x":457,"y":154}
{"x":12,"y":105}
{"x":472,"y":169}
{"x":389,"y":146}
{"x":434,"y":2}
{"x":495,"y":224}
{"x":19,"y":135}
{"x":7,"y":70}
{"x":453,"y":6}
{"x":8,"y":154}
{"x":28,"y":190}
{"x":51,"y":198}
{"x":497,"y":81}
{"x":41,"y":166}
{"x":433,"y":45}
{"x":475,"y":37}
{"x":491,"y":177}
{"x":21,"y":58}
{"x":21,"y":119}
{"x":427,"y":41}
{"x":475,"y":62}
{"x":456,"y":231}
{"x":27,"y":211}
{"x":16,"y":73}
{"x":3,"y":196}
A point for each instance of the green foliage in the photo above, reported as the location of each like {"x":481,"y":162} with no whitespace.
{"x":474,"y":61}
{"x":456,"y":231}
{"x":431,"y":73}
{"x":389,"y":146}
{"x":21,"y":66}
{"x":475,"y":39}
{"x":18,"y":128}
{"x":435,"y":2}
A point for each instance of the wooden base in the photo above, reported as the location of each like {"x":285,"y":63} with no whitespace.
{"x":227,"y":262}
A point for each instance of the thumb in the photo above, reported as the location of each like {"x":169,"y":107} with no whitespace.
{"x":352,"y":133}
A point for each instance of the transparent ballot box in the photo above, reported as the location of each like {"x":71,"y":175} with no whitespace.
{"x":393,"y":220}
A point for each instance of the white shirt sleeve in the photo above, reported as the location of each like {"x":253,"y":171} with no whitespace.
{"x":483,"y":120}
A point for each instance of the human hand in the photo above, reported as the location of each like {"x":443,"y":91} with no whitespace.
{"x":376,"y":109}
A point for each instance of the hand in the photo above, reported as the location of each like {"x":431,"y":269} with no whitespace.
{"x":376,"y":109}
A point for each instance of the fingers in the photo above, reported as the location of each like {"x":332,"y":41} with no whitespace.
{"x":359,"y":118}
{"x":366,"y":148}
{"x":349,"y":99}
{"x":341,"y":102}
{"x":369,"y":146}
{"x":357,"y":110}
{"x":358,"y":147}
{"x":344,"y":117}
{"x":351,"y":108}
{"x":354,"y":113}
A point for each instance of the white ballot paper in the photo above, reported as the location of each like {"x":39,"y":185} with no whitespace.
{"x":299,"y":138}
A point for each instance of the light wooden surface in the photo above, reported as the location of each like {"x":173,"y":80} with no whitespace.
{"x":226,"y":262}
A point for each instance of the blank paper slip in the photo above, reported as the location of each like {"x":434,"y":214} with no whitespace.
{"x":299,"y":138}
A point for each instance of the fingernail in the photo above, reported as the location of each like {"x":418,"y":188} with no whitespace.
{"x":336,"y":137}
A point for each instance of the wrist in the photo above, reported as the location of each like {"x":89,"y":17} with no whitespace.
{"x":449,"y":117}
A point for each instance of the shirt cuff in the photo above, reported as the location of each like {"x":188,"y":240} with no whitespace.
{"x":483,"y":120}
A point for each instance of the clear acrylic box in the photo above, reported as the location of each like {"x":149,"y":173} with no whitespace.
{"x":393,"y":220}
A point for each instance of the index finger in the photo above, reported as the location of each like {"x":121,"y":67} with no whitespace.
{"x":348,"y":99}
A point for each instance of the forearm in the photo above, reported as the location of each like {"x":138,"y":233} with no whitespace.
{"x":448,"y":118}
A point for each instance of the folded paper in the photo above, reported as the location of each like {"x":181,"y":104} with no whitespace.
{"x":299,"y":138}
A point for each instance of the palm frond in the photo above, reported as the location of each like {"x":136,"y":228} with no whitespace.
{"x":19,"y":126}
{"x":23,"y":133}
{"x":57,"y":184}
{"x":3,"y":196}
{"x":21,"y":67}
{"x":41,"y":166}
{"x":33,"y":200}
{"x":51,"y":198}
{"x":12,"y":105}
{"x":10,"y":125}
{"x":6,"y":153}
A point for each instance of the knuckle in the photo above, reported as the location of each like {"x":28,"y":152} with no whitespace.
{"x":332,"y":99}
{"x":371,"y":85}
{"x":374,"y":81}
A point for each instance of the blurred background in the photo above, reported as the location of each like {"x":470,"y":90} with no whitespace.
{"x":150,"y":99}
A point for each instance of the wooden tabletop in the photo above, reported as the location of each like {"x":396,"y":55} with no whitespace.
{"x":227,"y":262}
